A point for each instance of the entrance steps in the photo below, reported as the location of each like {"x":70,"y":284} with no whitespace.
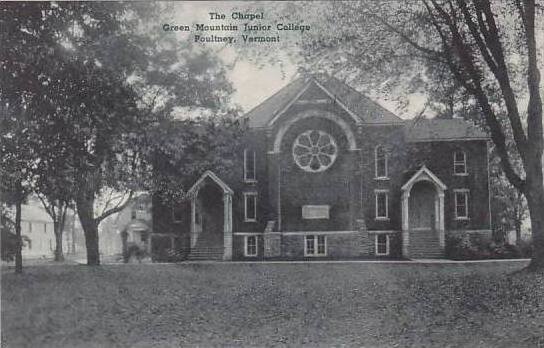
{"x":206,"y":253}
{"x":425,"y":245}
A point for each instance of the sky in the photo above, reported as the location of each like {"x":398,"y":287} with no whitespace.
{"x":253,"y":84}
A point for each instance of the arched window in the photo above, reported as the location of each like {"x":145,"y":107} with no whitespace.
{"x":380,"y":158}
{"x":459,"y":163}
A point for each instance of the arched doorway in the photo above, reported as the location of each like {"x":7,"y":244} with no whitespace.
{"x":211,"y":218}
{"x":423,"y":204}
{"x":423,"y":216}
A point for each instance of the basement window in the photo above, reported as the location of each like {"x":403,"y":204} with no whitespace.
{"x":315,"y":245}
{"x":382,"y":244}
{"x":250,"y":246}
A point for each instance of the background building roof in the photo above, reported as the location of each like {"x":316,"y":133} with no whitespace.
{"x":442,"y":129}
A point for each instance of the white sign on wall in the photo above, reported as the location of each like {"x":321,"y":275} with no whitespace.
{"x":315,"y":211}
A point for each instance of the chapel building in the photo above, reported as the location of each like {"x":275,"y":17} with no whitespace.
{"x":327,"y":173}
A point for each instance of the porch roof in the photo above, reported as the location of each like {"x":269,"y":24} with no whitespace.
{"x":423,"y":174}
{"x":209,"y":174}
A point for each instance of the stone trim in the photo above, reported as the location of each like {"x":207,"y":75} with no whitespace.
{"x":304,"y":233}
{"x":470,"y":231}
{"x":344,"y":126}
{"x":383,"y":231}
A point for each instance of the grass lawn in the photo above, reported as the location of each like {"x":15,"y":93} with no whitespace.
{"x":355,"y":304}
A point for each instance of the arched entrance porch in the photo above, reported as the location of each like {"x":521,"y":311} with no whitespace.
{"x":211,"y":216}
{"x":423,"y":215}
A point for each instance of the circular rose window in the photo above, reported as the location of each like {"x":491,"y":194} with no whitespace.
{"x":314,"y":151}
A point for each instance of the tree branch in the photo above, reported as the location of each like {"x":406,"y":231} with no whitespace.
{"x":48,"y":207}
{"x":476,"y":89}
{"x":115,"y":209}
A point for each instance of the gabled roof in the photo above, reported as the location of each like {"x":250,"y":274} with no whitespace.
{"x":355,"y":103}
{"x":213,"y":177}
{"x":423,"y":174}
{"x":442,"y":129}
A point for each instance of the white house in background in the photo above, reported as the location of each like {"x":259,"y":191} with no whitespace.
{"x":38,"y":231}
{"x":134,"y":222}
{"x":37,"y":227}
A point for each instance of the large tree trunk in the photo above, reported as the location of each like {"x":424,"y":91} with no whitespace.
{"x":59,"y":255}
{"x":85,"y":210}
{"x":19,"y":241}
{"x":535,"y":200}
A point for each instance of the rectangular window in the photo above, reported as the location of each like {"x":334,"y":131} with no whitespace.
{"x":249,"y":165}
{"x":133,"y":216}
{"x":177,"y":213}
{"x":310,"y":249}
{"x":461,"y":204}
{"x":315,"y":245}
{"x":459,"y":163}
{"x":382,"y":211}
{"x":381,"y":162}
{"x":250,"y":206}
{"x":382,"y":244}
{"x":321,"y":245}
{"x":251,"y":246}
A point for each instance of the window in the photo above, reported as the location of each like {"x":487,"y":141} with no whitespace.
{"x":315,"y":245}
{"x":461,"y":204}
{"x":382,"y":244}
{"x":459,"y":163}
{"x":141,"y":211}
{"x":250,"y":206}
{"x":133,"y":215}
{"x":382,"y":211}
{"x":380,"y":157}
{"x":177,"y":213}
{"x":250,"y":246}
{"x":143,"y":237}
{"x":249,"y":165}
{"x":314,"y":151}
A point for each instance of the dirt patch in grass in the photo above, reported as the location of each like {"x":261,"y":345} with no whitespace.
{"x":490,"y":305}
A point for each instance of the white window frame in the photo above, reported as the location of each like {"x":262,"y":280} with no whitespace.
{"x":386,"y":157}
{"x":316,"y":244}
{"x":246,"y":178}
{"x":246,"y":244}
{"x":457,"y":163}
{"x":465,"y":192}
{"x":174,"y":216}
{"x":246,"y":195}
{"x":376,"y":194}
{"x":386,"y":245}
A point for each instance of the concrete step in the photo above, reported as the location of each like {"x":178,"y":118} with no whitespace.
{"x":206,"y":253}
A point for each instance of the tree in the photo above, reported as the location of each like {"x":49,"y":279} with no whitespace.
{"x":16,"y":160}
{"x":487,"y":49}
{"x":181,"y":150}
{"x":97,"y":70}
{"x":508,"y":205}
